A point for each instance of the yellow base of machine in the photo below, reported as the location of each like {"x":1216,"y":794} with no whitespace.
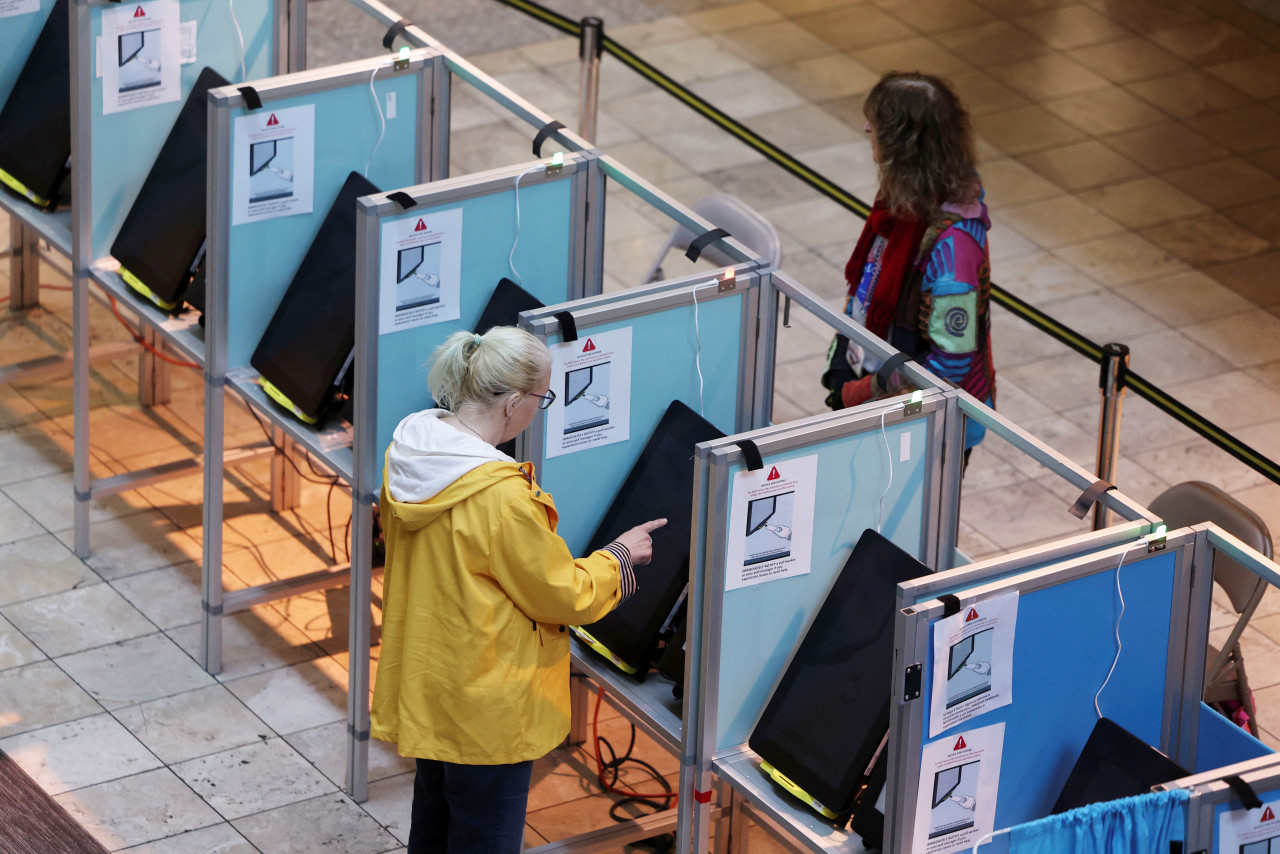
{"x":21,"y":188}
{"x":785,"y":782}
{"x":603,"y":650}
{"x":279,"y":397}
{"x":134,"y":282}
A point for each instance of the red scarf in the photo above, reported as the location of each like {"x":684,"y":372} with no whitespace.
{"x":902,"y":238}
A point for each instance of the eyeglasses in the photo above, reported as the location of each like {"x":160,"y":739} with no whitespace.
{"x":545,"y":400}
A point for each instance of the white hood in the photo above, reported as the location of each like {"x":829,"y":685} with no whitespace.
{"x":426,"y":456}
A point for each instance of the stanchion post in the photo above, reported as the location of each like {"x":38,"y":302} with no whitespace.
{"x":1115,"y":366}
{"x":590,"y":46}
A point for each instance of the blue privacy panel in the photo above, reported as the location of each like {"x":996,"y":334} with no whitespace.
{"x":762,"y":624}
{"x":17,"y":35}
{"x":488,"y":231}
{"x":125,"y":144}
{"x":663,"y":351}
{"x":1220,"y":742}
{"x":263,"y":256}
{"x":1063,"y":649}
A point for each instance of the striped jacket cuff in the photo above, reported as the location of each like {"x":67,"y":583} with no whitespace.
{"x":623,"y":554}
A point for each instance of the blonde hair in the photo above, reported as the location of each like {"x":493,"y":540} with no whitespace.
{"x":475,"y":369}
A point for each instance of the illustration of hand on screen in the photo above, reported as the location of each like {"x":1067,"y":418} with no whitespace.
{"x":600,"y":400}
{"x":148,"y":62}
{"x":782,"y":531}
{"x":965,"y":802}
{"x":283,"y":174}
{"x":982,"y":668}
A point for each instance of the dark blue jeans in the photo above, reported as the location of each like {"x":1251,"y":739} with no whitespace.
{"x":469,"y":809}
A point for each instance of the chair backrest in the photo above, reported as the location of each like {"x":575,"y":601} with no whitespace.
{"x":1194,"y":501}
{"x":744,"y":224}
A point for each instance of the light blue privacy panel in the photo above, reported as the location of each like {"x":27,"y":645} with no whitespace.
{"x":263,"y":256}
{"x":1063,"y":648}
{"x":125,"y":144}
{"x":488,"y":231}
{"x":762,"y":624}
{"x":664,"y":348}
{"x":17,"y":35}
{"x":1220,"y":742}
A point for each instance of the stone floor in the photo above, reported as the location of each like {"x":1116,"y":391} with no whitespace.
{"x":1130,"y":150}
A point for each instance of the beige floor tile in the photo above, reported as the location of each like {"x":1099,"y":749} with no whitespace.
{"x":1024,"y":129}
{"x":914,"y":53}
{"x":697,"y":59}
{"x":704,"y":149}
{"x":803,"y":129}
{"x":1255,"y":278}
{"x":51,"y":502}
{"x":132,"y":544}
{"x":733,"y":16}
{"x":1205,"y":240}
{"x":39,"y":566}
{"x":1208,"y":42}
{"x":774,"y":43}
{"x":137,"y":809}
{"x":661,"y":31}
{"x":1153,"y":14}
{"x":1127,"y":60}
{"x":936,"y":16}
{"x":1043,"y":277}
{"x":1071,"y":26}
{"x":850,"y":32}
{"x":326,"y":748}
{"x":250,"y":779}
{"x":168,"y":597}
{"x":1049,"y":76}
{"x":1104,"y":111}
{"x":33,"y":452}
{"x":1082,"y":165}
{"x":1165,"y":146}
{"x":1169,"y":357}
{"x":1246,"y":340}
{"x":1187,"y":94}
{"x":298,"y":697}
{"x":751,"y":93}
{"x":134,"y":671}
{"x":15,"y":648}
{"x":79,"y":753}
{"x":329,"y":823}
{"x":1200,"y":461}
{"x":253,"y":641}
{"x":1225,"y":183}
{"x":78,"y":619}
{"x":1142,"y":202}
{"x":1009,"y":182}
{"x":1122,"y":258}
{"x":1256,"y":76}
{"x":1060,"y":222}
{"x":982,"y":94}
{"x":196,"y":723}
{"x":992,"y":42}
{"x":39,"y":695}
{"x":1232,"y":400}
{"x":1185,"y":298}
{"x":1243,"y":129}
{"x":215,"y":839}
{"x":823,"y":78}
{"x":1262,"y":218}
{"x":1268,"y":159}
{"x":15,"y":523}
{"x":390,"y":802}
{"x":1040,"y":515}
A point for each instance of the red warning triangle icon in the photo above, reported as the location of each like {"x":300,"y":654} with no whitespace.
{"x":421,"y":226}
{"x":588,"y":347}
{"x":273,"y":120}
{"x":960,"y":745}
{"x":1267,"y":814}
{"x":973,"y":615}
{"x":138,"y":13}
{"x":773,"y":474}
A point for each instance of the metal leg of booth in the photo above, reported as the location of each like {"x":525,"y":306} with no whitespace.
{"x":154,"y":388}
{"x":24,"y":266}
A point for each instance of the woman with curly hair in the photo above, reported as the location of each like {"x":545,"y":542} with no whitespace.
{"x":920,"y":275}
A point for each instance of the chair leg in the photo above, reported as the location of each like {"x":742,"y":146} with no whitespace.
{"x":1244,"y":693}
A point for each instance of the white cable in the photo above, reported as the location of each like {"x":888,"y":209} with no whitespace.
{"x":1097,"y":708}
{"x":511,"y":256}
{"x":231,"y":7}
{"x":382,"y":122}
{"x":889,"y":457}
{"x":987,"y":837}
{"x":697,"y":355}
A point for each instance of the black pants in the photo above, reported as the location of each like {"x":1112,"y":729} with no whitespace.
{"x":469,"y":809}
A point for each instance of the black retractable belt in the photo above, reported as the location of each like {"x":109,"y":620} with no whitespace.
{"x":403,"y":199}
{"x":890,"y":365}
{"x":950,"y":604}
{"x":547,"y":129}
{"x":568,"y":326}
{"x":251,"y":97}
{"x":1089,"y":497}
{"x":394,"y":30}
{"x":751,"y":454}
{"x":1244,"y":792}
{"x":700,"y":242}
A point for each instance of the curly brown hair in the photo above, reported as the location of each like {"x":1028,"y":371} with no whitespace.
{"x":925,"y":142}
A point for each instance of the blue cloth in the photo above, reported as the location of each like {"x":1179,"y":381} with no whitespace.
{"x":1144,"y":824}
{"x":469,"y":809}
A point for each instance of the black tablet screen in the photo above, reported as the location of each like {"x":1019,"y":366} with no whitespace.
{"x":35,"y":124}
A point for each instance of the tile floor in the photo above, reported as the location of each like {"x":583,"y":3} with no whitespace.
{"x":1131,"y":158}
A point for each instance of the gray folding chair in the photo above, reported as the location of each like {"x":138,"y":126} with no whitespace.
{"x":1193,"y":502}
{"x":744,"y":224}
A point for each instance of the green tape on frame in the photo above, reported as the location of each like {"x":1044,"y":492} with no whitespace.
{"x":543,"y":260}
{"x":664,"y":359}
{"x":18,"y":34}
{"x":125,"y":144}
{"x":761,"y":624}
{"x":264,"y":255}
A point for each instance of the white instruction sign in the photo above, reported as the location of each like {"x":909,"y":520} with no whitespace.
{"x":973,"y":661}
{"x":273,"y":164}
{"x":959,"y":779}
{"x":1255,"y":831}
{"x":592,"y":381}
{"x":771,"y":523}
{"x":420,"y":271}
{"x":142,"y":65}
{"x":9,"y":8}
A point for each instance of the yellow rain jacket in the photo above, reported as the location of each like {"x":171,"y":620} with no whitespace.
{"x":478,"y":591}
